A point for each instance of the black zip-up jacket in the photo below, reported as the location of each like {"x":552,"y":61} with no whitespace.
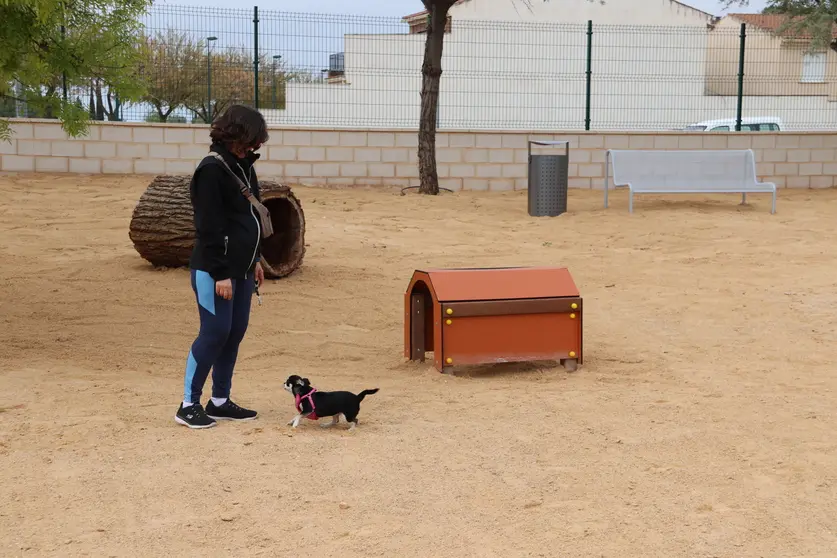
{"x":227,"y":228}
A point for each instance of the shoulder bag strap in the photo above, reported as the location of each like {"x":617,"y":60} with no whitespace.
{"x":264,"y":214}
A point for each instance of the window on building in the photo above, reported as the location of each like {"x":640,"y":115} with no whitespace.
{"x":813,"y":67}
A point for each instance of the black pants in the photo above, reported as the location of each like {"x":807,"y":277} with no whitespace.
{"x":223,"y":325}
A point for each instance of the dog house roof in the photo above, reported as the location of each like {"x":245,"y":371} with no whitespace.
{"x":510,"y":283}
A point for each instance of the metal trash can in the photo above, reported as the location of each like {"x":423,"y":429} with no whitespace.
{"x":548,"y":180}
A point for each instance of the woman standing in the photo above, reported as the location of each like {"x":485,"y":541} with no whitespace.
{"x":225,"y":268}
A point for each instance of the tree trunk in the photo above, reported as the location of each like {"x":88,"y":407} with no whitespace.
{"x":100,"y":106}
{"x":112,"y":108}
{"x":49,"y":111}
{"x":431,"y":70}
{"x":163,"y":232}
{"x":164,"y":115}
{"x":199,"y":111}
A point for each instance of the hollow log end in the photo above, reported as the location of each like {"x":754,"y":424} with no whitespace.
{"x":283,"y":252}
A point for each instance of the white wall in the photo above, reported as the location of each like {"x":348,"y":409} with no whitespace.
{"x":466,"y":159}
{"x":532,"y":76}
{"x":609,"y":12}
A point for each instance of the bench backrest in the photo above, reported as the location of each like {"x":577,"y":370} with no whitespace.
{"x":683,"y":170}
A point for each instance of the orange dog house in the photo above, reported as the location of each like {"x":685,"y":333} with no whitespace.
{"x":478,"y":316}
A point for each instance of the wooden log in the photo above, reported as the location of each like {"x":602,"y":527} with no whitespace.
{"x":163,"y":231}
{"x":162,"y":226}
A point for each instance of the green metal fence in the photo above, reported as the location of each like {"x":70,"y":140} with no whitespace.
{"x":353,"y":71}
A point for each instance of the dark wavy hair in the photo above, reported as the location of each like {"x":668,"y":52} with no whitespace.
{"x":239,"y":127}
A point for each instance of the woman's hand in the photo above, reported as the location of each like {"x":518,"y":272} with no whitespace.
{"x":259,"y":274}
{"x":224,"y":289}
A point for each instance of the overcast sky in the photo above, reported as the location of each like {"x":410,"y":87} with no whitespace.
{"x":395,"y":8}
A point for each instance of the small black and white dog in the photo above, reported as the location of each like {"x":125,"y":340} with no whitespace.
{"x":314,"y":405}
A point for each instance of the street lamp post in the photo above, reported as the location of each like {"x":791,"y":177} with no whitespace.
{"x":209,"y":78}
{"x":276,"y":58}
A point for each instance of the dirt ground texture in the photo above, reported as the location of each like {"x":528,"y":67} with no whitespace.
{"x":700,"y":425}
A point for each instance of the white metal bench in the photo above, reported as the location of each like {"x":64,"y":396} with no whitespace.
{"x":685,"y":172}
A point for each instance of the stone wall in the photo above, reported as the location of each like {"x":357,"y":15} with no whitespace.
{"x":466,"y":160}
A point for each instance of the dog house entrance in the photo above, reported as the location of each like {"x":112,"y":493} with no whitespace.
{"x":421,"y":322}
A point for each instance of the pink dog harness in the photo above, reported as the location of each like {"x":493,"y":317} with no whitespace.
{"x":298,"y":400}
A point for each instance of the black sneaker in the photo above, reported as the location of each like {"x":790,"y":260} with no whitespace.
{"x":229,"y":411}
{"x":193,"y":416}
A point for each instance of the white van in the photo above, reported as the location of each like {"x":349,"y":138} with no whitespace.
{"x":760,"y":124}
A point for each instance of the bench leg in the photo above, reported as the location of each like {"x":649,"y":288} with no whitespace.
{"x":773,"y":209}
{"x":743,"y":198}
{"x":631,"y":201}
{"x":570,"y":364}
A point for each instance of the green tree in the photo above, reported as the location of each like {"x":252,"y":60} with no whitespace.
{"x":788,"y":7}
{"x":173,"y":66}
{"x":805,"y":18}
{"x":272,"y":79}
{"x":776,"y":8}
{"x":9,"y":109}
{"x":233,"y":82}
{"x":106,"y":103}
{"x":49,"y":43}
{"x":228,"y":79}
{"x":274,"y":76}
{"x":181,"y":72}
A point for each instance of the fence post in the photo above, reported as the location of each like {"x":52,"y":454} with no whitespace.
{"x":741,"y":48}
{"x":64,"y":74}
{"x":589,"y":74}
{"x":256,"y":55}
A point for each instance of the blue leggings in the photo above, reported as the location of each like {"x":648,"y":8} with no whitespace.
{"x":223,"y":324}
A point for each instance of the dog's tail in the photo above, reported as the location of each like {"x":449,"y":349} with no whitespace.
{"x":364,"y":393}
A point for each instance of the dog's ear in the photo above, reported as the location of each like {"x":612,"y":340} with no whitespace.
{"x":305,"y":382}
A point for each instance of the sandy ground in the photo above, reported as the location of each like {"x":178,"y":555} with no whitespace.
{"x":701,"y":425}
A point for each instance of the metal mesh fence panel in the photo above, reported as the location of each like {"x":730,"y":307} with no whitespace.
{"x":355,"y":71}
